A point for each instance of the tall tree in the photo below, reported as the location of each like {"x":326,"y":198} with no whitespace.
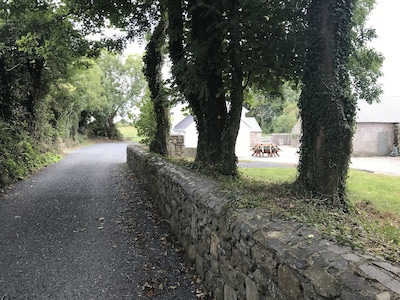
{"x":39,"y":44}
{"x":153,"y":63}
{"x":327,"y":106}
{"x":219,"y":48}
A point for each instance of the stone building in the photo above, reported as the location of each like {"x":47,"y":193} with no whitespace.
{"x":377,"y":127}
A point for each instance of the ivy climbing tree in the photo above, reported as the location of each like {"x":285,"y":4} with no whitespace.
{"x":153,"y":63}
{"x":326,"y":104}
{"x":218,"y":48}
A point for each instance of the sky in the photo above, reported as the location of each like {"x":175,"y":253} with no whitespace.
{"x":385,"y":19}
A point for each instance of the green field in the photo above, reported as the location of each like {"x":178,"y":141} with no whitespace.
{"x":129,"y":133}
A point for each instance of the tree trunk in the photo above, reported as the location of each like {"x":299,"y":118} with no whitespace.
{"x":199,"y":76}
{"x":179,"y":61}
{"x":204,"y":88}
{"x":232,"y":125}
{"x":206,"y":41}
{"x":35,"y":69}
{"x":326,"y":106}
{"x":153,"y":71}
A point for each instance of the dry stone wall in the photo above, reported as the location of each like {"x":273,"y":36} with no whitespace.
{"x":176,"y":145}
{"x":241,"y":254}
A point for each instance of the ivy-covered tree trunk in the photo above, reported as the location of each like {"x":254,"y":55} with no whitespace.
{"x":326,"y":106}
{"x":200,"y":77}
{"x":153,"y":61}
{"x":232,"y":123}
{"x":180,"y":65}
{"x":37,"y":90}
{"x":206,"y":42}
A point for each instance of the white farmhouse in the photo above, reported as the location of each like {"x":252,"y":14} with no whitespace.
{"x":249,"y":132}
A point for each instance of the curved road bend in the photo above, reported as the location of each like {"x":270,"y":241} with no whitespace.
{"x":82,"y":229}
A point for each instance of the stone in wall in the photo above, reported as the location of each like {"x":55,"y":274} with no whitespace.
{"x":176,"y":145}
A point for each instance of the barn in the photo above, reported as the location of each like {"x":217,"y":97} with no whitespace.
{"x":377,"y":127}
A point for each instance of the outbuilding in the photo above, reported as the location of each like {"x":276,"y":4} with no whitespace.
{"x":249,"y":132}
{"x":377,"y":127}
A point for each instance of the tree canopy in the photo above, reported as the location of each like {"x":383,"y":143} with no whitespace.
{"x":218,"y":50}
{"x":50,"y":84}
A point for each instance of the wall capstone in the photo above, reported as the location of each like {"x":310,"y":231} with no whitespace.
{"x":242,"y":254}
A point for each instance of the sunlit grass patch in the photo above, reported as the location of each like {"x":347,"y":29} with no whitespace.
{"x":129,"y":133}
{"x":383,"y":191}
{"x":273,"y":175}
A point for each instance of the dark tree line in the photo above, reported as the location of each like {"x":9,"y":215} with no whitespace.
{"x":53,"y":85}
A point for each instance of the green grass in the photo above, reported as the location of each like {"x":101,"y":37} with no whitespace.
{"x":372,"y":223}
{"x":382,"y":191}
{"x":129,"y":133}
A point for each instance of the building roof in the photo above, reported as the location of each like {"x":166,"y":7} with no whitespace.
{"x":385,"y":111}
{"x":252,"y":123}
{"x":182,"y":125}
{"x":187,"y":121}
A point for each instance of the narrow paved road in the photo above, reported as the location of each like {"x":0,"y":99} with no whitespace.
{"x":83,"y":229}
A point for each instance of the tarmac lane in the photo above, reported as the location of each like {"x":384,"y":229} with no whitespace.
{"x":84,"y":229}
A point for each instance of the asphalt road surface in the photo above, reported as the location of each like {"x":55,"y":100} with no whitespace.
{"x":83,"y":229}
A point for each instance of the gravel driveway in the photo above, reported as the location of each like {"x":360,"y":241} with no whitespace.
{"x":83,"y":229}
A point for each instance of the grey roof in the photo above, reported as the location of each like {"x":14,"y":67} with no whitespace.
{"x":252,"y":123}
{"x":386,"y":111}
{"x":249,"y":121}
{"x":182,"y":125}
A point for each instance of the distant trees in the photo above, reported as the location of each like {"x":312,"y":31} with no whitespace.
{"x":365,"y":62}
{"x":276,"y":112}
{"x":122,"y":84}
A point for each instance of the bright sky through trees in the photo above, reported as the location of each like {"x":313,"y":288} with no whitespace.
{"x":386,"y":20}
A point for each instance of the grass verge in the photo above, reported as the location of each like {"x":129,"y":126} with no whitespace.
{"x":371,"y":225}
